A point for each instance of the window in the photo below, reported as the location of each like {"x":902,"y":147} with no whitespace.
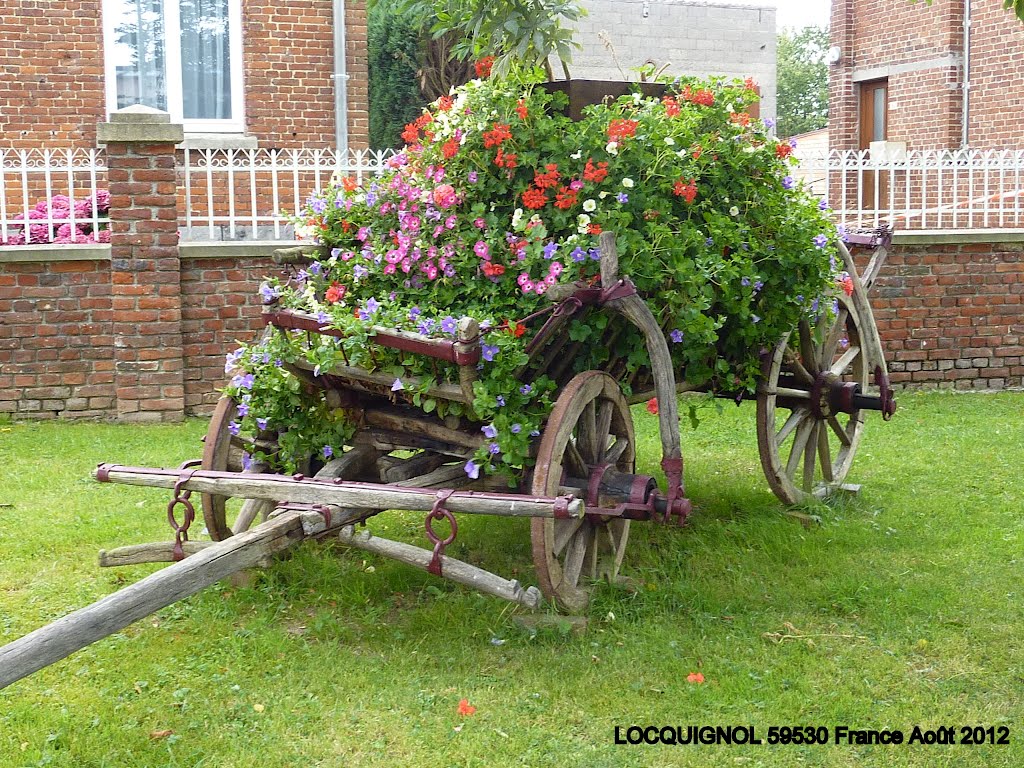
{"x":181,"y":56}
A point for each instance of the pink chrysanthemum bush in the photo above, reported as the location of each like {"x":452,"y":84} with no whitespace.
{"x":49,"y":221}
{"x":497,"y":199}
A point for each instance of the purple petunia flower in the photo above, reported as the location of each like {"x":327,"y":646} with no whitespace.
{"x":676,"y":336}
{"x":425,"y":327}
{"x":262,"y":423}
{"x":823,"y":205}
{"x":246,"y":462}
{"x":488,"y":351}
{"x":397,"y":386}
{"x":231,"y":361}
{"x":820,"y":241}
{"x":755,"y":318}
{"x":501,"y":400}
{"x":471,"y":177}
{"x":494,"y":449}
{"x":268,"y":292}
{"x":448,"y":324}
{"x":318,"y":205}
{"x":578,"y":254}
{"x":490,"y":431}
{"x":234,"y":428}
{"x":549,"y":250}
{"x":414,"y":313}
{"x":709,"y":242}
{"x":243,"y":381}
{"x":526,"y":389}
{"x":327,"y":451}
{"x":535,"y":433}
{"x":745,"y":282}
{"x":316,"y":269}
{"x":243,"y":409}
{"x":595,"y":254}
{"x":769,"y":123}
{"x":788,"y":183}
{"x":372,"y":305}
{"x":622,"y":197}
{"x":359,"y":272}
{"x":516,"y":429}
{"x":758,"y":286}
{"x":472,"y":469}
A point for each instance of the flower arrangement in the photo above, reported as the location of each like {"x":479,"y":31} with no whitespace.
{"x":496,"y":200}
{"x":49,"y":221}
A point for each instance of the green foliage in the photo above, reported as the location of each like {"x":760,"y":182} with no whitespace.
{"x":1017,"y":6}
{"x":499,"y":197}
{"x":522,"y":33}
{"x":394,"y":40}
{"x":802,"y":77}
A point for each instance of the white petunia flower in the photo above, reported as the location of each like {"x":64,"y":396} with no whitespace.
{"x":589,"y":205}
{"x":627,"y":183}
{"x":734,"y":211}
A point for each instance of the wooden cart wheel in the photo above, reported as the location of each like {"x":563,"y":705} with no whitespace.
{"x":222,"y":452}
{"x":806,"y":444}
{"x":589,"y":426}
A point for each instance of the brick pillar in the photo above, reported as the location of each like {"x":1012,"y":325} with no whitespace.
{"x":144,"y":266}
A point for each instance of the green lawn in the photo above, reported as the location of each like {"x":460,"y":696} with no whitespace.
{"x":903,"y":607}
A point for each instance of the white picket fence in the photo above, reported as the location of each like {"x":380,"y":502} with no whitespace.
{"x":58,"y":185}
{"x":252,"y":194}
{"x":921,"y":189}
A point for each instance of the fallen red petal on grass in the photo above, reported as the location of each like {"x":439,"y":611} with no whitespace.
{"x":652,"y":406}
{"x":695,"y":677}
{"x":465,"y":708}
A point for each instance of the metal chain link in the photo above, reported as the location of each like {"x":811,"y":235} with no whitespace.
{"x":181,"y":496}
{"x":440,"y":512}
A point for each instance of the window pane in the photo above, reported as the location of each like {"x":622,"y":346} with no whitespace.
{"x":205,"y":60}
{"x":138,"y":53}
{"x":878,"y":128}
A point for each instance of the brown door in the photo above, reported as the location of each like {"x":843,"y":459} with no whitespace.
{"x":874,"y":118}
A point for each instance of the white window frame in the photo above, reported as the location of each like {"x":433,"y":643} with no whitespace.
{"x":172,"y":61}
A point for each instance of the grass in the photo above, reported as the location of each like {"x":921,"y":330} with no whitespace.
{"x":903,"y":607}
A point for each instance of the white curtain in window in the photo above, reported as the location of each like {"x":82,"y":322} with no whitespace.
{"x":138,"y":53}
{"x":205,"y":59}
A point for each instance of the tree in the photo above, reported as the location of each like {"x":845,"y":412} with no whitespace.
{"x":802,"y":77}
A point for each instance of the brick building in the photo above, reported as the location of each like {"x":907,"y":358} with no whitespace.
{"x":234,"y":72}
{"x":934,"y":94}
{"x":941,"y":76}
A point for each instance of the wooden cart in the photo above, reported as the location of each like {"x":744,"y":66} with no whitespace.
{"x":582,"y":494}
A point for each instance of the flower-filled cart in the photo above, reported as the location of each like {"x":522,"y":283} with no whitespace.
{"x":467,"y":332}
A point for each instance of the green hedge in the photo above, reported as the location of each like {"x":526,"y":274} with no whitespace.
{"x":394,"y":43}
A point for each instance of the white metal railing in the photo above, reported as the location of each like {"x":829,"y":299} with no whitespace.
{"x":251,"y":193}
{"x":49,"y":195}
{"x":920,"y":189}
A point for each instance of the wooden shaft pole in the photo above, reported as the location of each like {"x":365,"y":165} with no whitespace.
{"x":364,"y":495}
{"x":455,"y":570}
{"x":113,"y":613}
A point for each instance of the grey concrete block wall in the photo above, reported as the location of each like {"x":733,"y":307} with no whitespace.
{"x":693,"y":38}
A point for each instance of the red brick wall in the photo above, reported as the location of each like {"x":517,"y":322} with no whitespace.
{"x":926,"y":105}
{"x":52,"y":83}
{"x":951,"y":315}
{"x":220,"y":305}
{"x":56,"y":339}
{"x":997,"y":77}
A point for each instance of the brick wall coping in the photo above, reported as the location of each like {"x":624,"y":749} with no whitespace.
{"x":939,"y":236}
{"x":253,"y":249}
{"x":16,"y":254}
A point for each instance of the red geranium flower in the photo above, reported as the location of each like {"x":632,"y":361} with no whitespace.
{"x":449,"y":149}
{"x":445,"y":103}
{"x":740,"y":118}
{"x":595,"y":174}
{"x":497,"y":135}
{"x":782,"y":151}
{"x":547,"y":179}
{"x":521,"y":109}
{"x":619,"y":129}
{"x":335,"y":293}
{"x":687,"y":191}
{"x":671,"y":106}
{"x":349,"y":184}
{"x":594,"y":229}
{"x":483,"y":67}
{"x":565,"y":199}
{"x":534,"y":198}
{"x":493,"y":270}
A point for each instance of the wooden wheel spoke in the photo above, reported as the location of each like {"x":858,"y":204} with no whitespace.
{"x":834,"y":334}
{"x":576,"y":464}
{"x":613,"y":454}
{"x":793,"y":363}
{"x":810,"y":452}
{"x":844,"y":438}
{"x":564,"y":531}
{"x":807,"y":351}
{"x":791,"y":423}
{"x":574,"y":557}
{"x":586,"y":434}
{"x":604,"y":427}
{"x":839,"y":366}
{"x":824,"y":454}
{"x":803,"y":434}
